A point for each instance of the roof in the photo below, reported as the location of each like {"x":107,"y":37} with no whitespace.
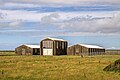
{"x":91,"y":46}
{"x":55,"y":39}
{"x":32,"y":46}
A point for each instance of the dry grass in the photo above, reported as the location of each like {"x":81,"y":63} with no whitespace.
{"x":57,"y":68}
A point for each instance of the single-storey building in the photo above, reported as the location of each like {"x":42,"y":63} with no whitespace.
{"x":53,"y":46}
{"x":85,"y":49}
{"x":26,"y":49}
{"x":112,"y":51}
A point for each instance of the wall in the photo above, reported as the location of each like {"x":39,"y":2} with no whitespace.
{"x":112,"y":52}
{"x":81,"y":50}
{"x":19,"y":50}
{"x":59,"y":47}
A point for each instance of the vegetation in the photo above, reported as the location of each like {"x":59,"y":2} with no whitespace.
{"x":113,"y":67}
{"x":20,"y":67}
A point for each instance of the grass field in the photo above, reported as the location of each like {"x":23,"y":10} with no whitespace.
{"x":17,"y":67}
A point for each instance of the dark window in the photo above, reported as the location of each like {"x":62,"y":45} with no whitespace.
{"x":47,"y":44}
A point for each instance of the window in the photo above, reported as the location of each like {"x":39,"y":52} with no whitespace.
{"x":65,"y":45}
{"x":47,"y":44}
{"x":62,"y":45}
{"x":57,"y":44}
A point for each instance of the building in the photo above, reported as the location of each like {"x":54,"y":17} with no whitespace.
{"x":112,"y":51}
{"x":53,"y":46}
{"x":85,"y":49}
{"x":26,"y":49}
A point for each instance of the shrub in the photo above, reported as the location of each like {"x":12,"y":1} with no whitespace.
{"x":113,"y":67}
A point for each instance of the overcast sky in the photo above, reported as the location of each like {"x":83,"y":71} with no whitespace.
{"x":78,"y":21}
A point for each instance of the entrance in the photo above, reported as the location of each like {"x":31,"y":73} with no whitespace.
{"x":47,"y":52}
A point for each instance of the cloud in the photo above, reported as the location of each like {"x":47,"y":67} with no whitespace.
{"x":86,"y":23}
{"x":16,"y":23}
{"x":50,"y":18}
{"x":20,"y":5}
{"x":91,"y":22}
{"x":11,"y":24}
{"x":31,"y":16}
{"x":1,"y":2}
{"x":4,"y":23}
{"x":66,"y":2}
{"x":8,"y":24}
{"x":2,"y":16}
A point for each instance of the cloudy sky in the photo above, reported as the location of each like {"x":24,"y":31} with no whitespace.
{"x":78,"y":21}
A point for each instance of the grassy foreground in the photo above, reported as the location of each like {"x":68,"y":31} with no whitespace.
{"x":57,"y":67}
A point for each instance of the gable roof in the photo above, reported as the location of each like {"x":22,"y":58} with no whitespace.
{"x":32,"y":46}
{"x":91,"y":46}
{"x":54,"y":39}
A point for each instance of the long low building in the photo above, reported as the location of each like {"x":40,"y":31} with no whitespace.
{"x":112,"y":51}
{"x":85,"y":49}
{"x":26,"y":49}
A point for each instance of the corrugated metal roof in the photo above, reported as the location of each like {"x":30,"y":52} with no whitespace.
{"x":91,"y":46}
{"x":55,"y":39}
{"x":32,"y":46}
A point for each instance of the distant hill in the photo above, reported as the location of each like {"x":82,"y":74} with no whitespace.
{"x":113,"y":67}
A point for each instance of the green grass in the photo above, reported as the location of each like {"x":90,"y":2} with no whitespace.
{"x":19,"y":67}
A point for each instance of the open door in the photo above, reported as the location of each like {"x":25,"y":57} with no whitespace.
{"x":36,"y":51}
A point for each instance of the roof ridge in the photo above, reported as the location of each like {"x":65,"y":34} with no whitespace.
{"x":55,"y":39}
{"x":90,"y":45}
